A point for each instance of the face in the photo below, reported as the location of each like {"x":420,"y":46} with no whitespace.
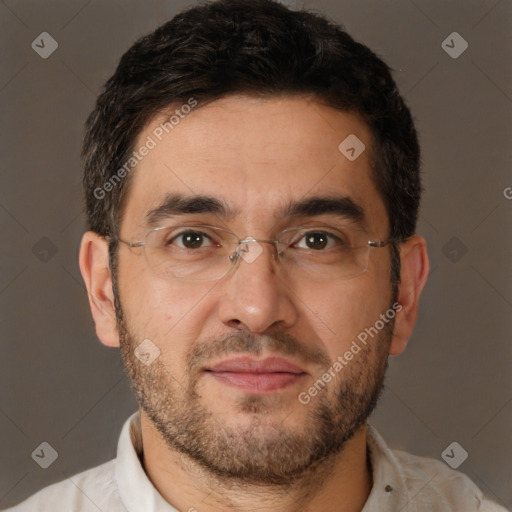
{"x":252,"y":376}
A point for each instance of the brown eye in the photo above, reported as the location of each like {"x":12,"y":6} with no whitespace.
{"x":316,"y":240}
{"x":190,"y":239}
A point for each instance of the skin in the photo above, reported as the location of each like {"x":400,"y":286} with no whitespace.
{"x":254,"y":154}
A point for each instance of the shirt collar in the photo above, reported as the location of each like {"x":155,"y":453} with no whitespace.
{"x":389,"y":492}
{"x":135,"y":488}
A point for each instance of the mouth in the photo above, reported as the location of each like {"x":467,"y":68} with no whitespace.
{"x":257,"y":376}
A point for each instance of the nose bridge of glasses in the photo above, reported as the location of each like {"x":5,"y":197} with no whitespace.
{"x":249,"y":249}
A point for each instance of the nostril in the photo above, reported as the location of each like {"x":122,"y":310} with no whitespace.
{"x":235,"y":324}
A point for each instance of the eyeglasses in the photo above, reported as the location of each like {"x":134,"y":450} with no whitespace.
{"x":208,"y":253}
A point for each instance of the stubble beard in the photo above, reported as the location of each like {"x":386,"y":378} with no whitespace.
{"x":261,"y":452}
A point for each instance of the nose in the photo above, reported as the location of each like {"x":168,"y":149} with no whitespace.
{"x":256,"y":296}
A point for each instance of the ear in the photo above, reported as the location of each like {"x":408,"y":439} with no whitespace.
{"x":413,"y":276}
{"x":94,"y":265}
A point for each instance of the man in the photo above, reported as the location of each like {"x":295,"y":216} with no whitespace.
{"x":252,"y":188}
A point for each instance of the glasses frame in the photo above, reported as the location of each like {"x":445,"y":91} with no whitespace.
{"x":235,"y":257}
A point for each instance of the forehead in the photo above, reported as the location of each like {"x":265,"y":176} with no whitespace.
{"x":255,"y":156}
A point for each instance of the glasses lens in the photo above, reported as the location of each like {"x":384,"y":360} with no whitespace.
{"x":202,"y":253}
{"x":191,"y":253}
{"x":325,"y":252}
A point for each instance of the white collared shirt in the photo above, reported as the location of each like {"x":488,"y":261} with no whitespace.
{"x":402,"y":482}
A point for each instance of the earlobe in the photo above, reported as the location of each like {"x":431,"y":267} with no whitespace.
{"x":413,"y":276}
{"x":94,"y":265}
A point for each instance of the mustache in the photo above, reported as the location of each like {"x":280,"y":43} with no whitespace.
{"x":279,"y":342}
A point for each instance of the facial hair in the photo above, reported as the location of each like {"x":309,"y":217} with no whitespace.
{"x":260,"y":452}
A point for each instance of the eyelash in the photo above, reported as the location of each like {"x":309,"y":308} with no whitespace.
{"x":329,"y":235}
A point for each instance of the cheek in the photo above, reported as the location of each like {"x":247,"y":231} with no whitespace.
{"x":343,"y":310}
{"x":166,"y":312}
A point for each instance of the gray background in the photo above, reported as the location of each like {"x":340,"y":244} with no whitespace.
{"x":60,"y":385}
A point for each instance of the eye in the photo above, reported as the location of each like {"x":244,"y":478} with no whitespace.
{"x":318,"y":241}
{"x":191,"y":239}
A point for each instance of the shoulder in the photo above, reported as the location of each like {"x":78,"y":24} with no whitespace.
{"x":432,"y":481}
{"x":419,"y":484}
{"x":91,"y":490}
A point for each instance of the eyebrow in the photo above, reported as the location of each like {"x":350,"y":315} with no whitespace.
{"x":341,"y":206}
{"x":178,"y":204}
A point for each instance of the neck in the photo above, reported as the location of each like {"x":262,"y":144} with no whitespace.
{"x":340,"y":484}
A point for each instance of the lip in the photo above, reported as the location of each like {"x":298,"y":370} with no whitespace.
{"x":257,"y":376}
